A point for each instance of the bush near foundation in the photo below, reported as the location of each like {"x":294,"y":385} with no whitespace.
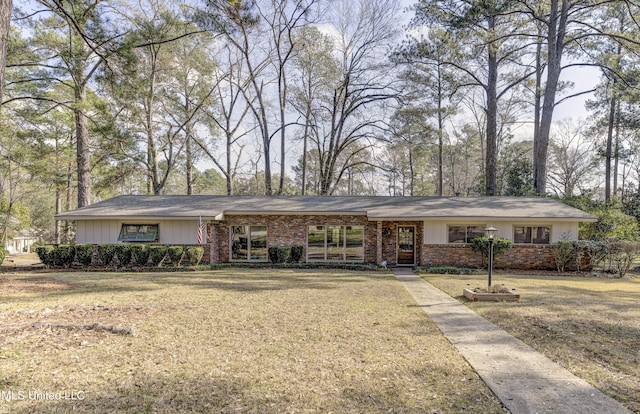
{"x":106,"y":252}
{"x":194,"y":254}
{"x":123,"y":252}
{"x":84,"y":254}
{"x":45,"y":254}
{"x":139,"y":254}
{"x":481,"y":244}
{"x":175,"y":255}
{"x":296,"y":254}
{"x":157,"y":255}
{"x":279,"y":254}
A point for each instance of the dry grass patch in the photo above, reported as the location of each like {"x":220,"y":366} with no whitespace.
{"x":232,"y":341}
{"x":590,"y":326}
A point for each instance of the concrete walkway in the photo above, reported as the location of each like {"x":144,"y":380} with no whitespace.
{"x":522,"y":378}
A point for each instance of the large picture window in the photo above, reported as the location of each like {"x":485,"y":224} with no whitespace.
{"x":249,"y":243}
{"x":531,"y":234}
{"x":335,"y":243}
{"x":464,"y":234}
{"x":138,"y":233}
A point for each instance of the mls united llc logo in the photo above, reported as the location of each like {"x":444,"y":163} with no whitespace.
{"x":33,"y":395}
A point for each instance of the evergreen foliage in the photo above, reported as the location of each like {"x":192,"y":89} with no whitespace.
{"x":175,"y":255}
{"x":123,"y":252}
{"x":279,"y":254}
{"x":139,"y":254}
{"x":84,"y":254}
{"x":194,"y":254}
{"x":157,"y":255}
{"x":481,"y":244}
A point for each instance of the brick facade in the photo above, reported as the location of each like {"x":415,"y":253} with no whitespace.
{"x":526,"y":257}
{"x":286,"y":231}
{"x":291,"y":230}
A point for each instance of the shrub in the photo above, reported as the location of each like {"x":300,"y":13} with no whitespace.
{"x":590,"y":253}
{"x":63,"y":255}
{"x":194,"y":254}
{"x":481,"y":244}
{"x":621,"y":255}
{"x":296,"y":254}
{"x":84,"y":254}
{"x":123,"y":251}
{"x":45,"y":254}
{"x":564,"y":252}
{"x":106,"y":252}
{"x":139,"y":254}
{"x":1,"y":254}
{"x":279,"y":254}
{"x":157,"y":254}
{"x":175,"y":255}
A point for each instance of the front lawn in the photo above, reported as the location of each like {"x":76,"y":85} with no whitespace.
{"x":591,"y":326}
{"x":232,"y":340}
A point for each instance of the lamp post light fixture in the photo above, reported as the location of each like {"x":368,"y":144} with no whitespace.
{"x":491,"y":234}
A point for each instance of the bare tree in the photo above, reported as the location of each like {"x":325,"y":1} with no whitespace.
{"x":263,"y":32}
{"x":350,"y":115}
{"x":572,"y":159}
{"x":315,"y":70}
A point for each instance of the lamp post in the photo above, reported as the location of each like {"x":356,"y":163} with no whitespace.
{"x":491,"y":233}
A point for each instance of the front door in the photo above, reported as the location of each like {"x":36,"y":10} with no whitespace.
{"x":406,"y":245}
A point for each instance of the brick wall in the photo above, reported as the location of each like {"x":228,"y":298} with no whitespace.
{"x":286,"y":231}
{"x":528,"y":257}
{"x":291,"y":230}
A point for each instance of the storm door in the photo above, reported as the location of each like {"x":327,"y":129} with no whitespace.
{"x":406,"y":245}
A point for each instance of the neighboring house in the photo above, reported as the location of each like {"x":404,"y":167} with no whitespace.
{"x":403,"y":231}
{"x":20,"y":241}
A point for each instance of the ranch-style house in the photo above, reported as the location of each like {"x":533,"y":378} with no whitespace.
{"x":402,"y":231}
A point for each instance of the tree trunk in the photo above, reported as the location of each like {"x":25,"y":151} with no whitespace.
{"x":5,"y":24}
{"x":555,"y":46}
{"x":608,"y":152}
{"x":537,"y":103}
{"x":440,"y":183}
{"x":304,"y":153}
{"x":83,"y":154}
{"x":228,"y":174}
{"x":491,"y":113}
{"x":189,"y":161}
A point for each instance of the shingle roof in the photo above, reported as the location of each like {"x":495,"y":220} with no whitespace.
{"x":210,"y":207}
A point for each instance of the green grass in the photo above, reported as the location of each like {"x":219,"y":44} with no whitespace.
{"x":231,"y":340}
{"x":591,"y":326}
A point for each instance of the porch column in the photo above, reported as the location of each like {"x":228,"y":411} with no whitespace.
{"x":379,"y":244}
{"x":212,"y":239}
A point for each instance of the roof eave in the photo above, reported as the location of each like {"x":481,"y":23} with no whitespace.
{"x":482,"y":218}
{"x":130,"y":217}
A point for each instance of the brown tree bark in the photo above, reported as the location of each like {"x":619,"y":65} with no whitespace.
{"x":5,"y":23}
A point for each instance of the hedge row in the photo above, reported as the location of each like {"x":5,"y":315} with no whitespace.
{"x":88,"y":255}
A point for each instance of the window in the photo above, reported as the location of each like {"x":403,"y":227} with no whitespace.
{"x":249,"y":243}
{"x":464,"y":234}
{"x":531,"y":234}
{"x":138,"y":233}
{"x":335,"y":243}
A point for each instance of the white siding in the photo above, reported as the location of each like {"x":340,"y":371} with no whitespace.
{"x":436,"y":232}
{"x":107,"y":231}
